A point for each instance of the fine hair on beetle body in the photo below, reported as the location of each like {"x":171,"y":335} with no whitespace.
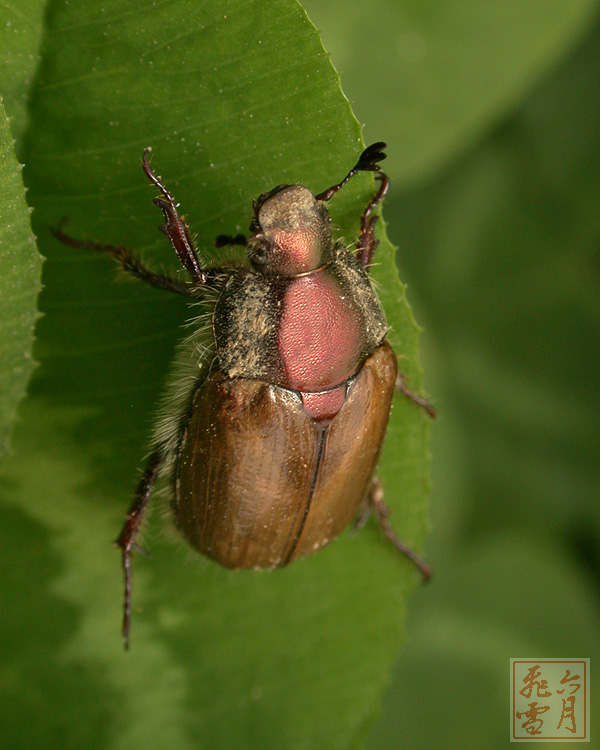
{"x":271,"y":425}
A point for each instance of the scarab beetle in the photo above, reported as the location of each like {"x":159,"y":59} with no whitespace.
{"x":274,"y":422}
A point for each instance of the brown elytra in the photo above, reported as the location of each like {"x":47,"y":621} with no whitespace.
{"x":292,"y":485}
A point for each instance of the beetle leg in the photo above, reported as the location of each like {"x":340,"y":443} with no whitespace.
{"x":127,"y":261}
{"x":381,"y":513}
{"x":367,"y":244}
{"x":126,"y":540}
{"x":423,"y":403}
{"x":175,"y":227}
{"x":364,"y":513}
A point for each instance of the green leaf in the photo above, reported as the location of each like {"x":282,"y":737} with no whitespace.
{"x":20,"y":267}
{"x":21,"y":25}
{"x":430,"y":77}
{"x":509,"y":597}
{"x":234,"y":98}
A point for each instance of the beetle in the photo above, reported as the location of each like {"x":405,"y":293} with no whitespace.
{"x":273,"y":423}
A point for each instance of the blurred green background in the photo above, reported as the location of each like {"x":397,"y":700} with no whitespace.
{"x":491,"y":112}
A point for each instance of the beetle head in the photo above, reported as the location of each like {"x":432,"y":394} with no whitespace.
{"x":293,"y":232}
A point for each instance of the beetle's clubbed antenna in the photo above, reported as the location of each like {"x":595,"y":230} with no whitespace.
{"x":225,"y":239}
{"x":175,"y":227}
{"x":368,"y":162}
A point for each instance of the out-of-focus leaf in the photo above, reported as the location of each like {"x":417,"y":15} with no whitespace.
{"x":20,"y":268}
{"x":431,"y":76}
{"x":292,"y":658}
{"x":503,"y":256}
{"x":508,"y":598}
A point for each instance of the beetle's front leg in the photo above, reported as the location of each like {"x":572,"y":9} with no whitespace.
{"x":175,"y":227}
{"x":367,"y":162}
{"x":375,"y":505}
{"x":126,"y":539}
{"x":367,"y":243}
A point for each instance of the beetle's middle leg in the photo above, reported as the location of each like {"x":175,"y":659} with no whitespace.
{"x":418,"y":400}
{"x":128,"y":262}
{"x":375,"y":505}
{"x":126,"y":539}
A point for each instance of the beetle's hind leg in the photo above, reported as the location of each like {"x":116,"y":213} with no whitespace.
{"x":126,"y":539}
{"x":374,"y":505}
{"x":127,"y":260}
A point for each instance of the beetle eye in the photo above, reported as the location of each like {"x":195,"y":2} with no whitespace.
{"x":259,"y":256}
